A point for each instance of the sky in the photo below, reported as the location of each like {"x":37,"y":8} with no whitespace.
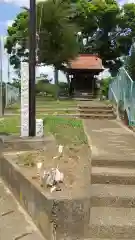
{"x":8,"y":11}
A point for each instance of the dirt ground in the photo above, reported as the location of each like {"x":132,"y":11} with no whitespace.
{"x":74,"y":164}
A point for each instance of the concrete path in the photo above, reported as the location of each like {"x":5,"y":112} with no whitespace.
{"x":112,"y":180}
{"x":110,"y":140}
{"x":15,"y":224}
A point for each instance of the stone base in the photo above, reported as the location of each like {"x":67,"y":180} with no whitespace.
{"x":17,"y":143}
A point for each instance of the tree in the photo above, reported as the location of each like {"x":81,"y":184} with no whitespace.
{"x":107,"y":29}
{"x":18,"y":36}
{"x":57,"y":37}
{"x":57,"y":41}
{"x":130,"y":64}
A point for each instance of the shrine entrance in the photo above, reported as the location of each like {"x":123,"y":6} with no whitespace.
{"x":82,"y":72}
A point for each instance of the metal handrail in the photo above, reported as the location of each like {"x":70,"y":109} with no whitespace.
{"x":122,"y":89}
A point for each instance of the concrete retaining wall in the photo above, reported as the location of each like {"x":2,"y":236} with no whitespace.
{"x":57,"y":219}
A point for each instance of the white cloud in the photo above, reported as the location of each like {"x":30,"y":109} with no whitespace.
{"x":9,"y":23}
{"x":20,"y":2}
{"x":126,"y":1}
{"x":17,"y":2}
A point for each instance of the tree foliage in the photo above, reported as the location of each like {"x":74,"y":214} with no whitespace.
{"x":56,"y":37}
{"x":107,"y":28}
{"x":18,"y":34}
{"x":57,"y":42}
{"x":130,"y":63}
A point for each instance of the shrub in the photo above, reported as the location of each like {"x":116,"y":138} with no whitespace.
{"x":130,"y":63}
{"x":46,"y":88}
{"x":51,"y":89}
{"x":105,"y":86}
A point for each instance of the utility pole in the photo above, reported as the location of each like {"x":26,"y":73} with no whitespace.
{"x":1,"y":80}
{"x":32,"y":66}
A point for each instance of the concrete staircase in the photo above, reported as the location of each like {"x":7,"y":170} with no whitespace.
{"x":113,"y":182}
{"x":113,"y":203}
{"x":83,"y":96}
{"x":98,"y":111}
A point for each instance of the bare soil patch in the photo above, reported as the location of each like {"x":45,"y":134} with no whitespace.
{"x":74,"y":164}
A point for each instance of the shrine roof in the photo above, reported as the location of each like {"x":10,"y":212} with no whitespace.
{"x":86,"y":61}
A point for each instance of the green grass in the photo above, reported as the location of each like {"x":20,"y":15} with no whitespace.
{"x":10,"y":125}
{"x":13,"y":108}
{"x":44,"y":103}
{"x":66,"y":131}
{"x":53,"y":104}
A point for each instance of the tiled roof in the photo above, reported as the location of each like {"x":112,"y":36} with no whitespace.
{"x":86,"y":62}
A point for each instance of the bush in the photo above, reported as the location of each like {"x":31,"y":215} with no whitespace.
{"x":51,"y":89}
{"x":63,"y":88}
{"x":105,"y":86}
{"x":46,"y":88}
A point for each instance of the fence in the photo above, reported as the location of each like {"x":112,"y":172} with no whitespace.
{"x":122,"y":93}
{"x":11,"y":94}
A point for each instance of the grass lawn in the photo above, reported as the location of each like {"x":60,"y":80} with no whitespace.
{"x":13,"y":108}
{"x":47,"y":105}
{"x":66,"y":131}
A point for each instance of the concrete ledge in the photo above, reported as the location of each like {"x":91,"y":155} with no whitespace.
{"x":16,"y":143}
{"x":57,"y":219}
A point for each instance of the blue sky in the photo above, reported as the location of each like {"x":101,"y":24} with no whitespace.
{"x":8,"y":12}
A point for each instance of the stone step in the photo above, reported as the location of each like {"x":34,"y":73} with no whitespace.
{"x":96,"y":111}
{"x":113,"y":175}
{"x":95,"y":107}
{"x":83,"y":99}
{"x":103,"y":195}
{"x":83,"y":96}
{"x":107,"y":222}
{"x":97,"y":116}
{"x":106,"y":239}
{"x":119,"y":161}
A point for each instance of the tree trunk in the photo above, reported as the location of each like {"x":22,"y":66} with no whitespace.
{"x":56,"y":80}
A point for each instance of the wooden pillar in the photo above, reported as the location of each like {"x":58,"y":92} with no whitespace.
{"x":92,"y":85}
